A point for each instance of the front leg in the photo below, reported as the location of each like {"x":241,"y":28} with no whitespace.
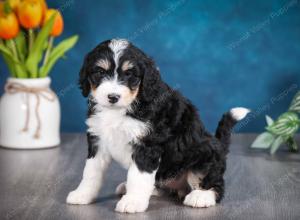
{"x":140,"y":179}
{"x":94,"y":169}
{"x":139,"y":187}
{"x":121,"y":190}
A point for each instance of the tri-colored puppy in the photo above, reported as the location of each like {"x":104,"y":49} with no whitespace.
{"x":150,"y":129}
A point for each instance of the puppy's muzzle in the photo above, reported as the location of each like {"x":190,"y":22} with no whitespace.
{"x":113,"y":98}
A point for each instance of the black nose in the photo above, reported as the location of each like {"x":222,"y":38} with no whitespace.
{"x":113,"y":98}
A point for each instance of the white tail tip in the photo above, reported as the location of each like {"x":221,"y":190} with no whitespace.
{"x":239,"y":113}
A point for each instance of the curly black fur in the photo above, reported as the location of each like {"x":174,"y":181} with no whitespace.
{"x":178,"y":140}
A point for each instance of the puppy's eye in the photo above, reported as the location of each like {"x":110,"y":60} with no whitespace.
{"x":98,"y":70}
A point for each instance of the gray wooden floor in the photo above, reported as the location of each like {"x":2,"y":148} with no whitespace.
{"x":34,"y":185}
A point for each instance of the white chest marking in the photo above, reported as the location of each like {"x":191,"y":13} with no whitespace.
{"x":116,"y":131}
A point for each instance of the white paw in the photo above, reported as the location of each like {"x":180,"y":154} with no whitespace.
{"x":132,"y":204}
{"x":200,"y":198}
{"x":121,"y":189}
{"x":78,"y":197}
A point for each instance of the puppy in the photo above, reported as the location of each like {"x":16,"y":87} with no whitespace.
{"x":150,"y":129}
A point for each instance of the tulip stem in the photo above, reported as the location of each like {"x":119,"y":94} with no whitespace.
{"x":49,"y":48}
{"x":20,"y":72}
{"x":30,"y":38}
{"x":13,"y":48}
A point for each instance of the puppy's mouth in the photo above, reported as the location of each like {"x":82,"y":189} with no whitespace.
{"x":113,"y":106}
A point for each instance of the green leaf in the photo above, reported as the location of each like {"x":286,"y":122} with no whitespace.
{"x":276,"y":144}
{"x":17,"y":69}
{"x":36,"y":53}
{"x":286,"y":125}
{"x":8,"y":53}
{"x":292,"y":144}
{"x":269,"y":120}
{"x":21,"y":45}
{"x":57,"y":53}
{"x":295,"y":105}
{"x":263,"y":141}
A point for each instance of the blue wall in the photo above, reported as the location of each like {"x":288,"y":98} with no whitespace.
{"x":220,"y":54}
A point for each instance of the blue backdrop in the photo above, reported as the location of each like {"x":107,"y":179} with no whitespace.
{"x":220,"y":54}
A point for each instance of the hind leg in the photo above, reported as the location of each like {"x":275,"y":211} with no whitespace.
{"x":121,"y":189}
{"x":206,"y":190}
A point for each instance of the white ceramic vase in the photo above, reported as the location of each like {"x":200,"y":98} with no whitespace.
{"x":29,"y":114}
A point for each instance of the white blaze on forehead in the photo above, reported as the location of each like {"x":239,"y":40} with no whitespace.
{"x":103,"y":63}
{"x":118,"y":46}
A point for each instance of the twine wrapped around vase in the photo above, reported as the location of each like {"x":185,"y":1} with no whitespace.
{"x":43,"y":92}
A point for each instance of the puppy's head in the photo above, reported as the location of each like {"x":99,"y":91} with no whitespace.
{"x":116,"y":73}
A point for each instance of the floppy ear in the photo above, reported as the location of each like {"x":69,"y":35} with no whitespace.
{"x":151,"y":80}
{"x":83,"y":82}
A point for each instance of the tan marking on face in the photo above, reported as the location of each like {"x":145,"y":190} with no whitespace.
{"x":130,"y":95}
{"x":103,"y":63}
{"x":127,"y":65}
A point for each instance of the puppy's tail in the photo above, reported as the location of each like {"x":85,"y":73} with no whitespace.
{"x":229,"y":119}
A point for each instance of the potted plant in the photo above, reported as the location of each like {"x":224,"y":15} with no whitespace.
{"x":29,"y":109}
{"x":282,"y":130}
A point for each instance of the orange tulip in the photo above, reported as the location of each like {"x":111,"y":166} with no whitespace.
{"x":30,"y":13}
{"x":9,"y":26}
{"x":44,"y":9}
{"x":58,"y":25}
{"x":14,"y":4}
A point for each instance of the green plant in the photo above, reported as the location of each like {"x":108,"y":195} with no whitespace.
{"x":282,"y":130}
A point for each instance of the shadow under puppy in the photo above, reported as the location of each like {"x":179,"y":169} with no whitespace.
{"x":150,"y":129}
